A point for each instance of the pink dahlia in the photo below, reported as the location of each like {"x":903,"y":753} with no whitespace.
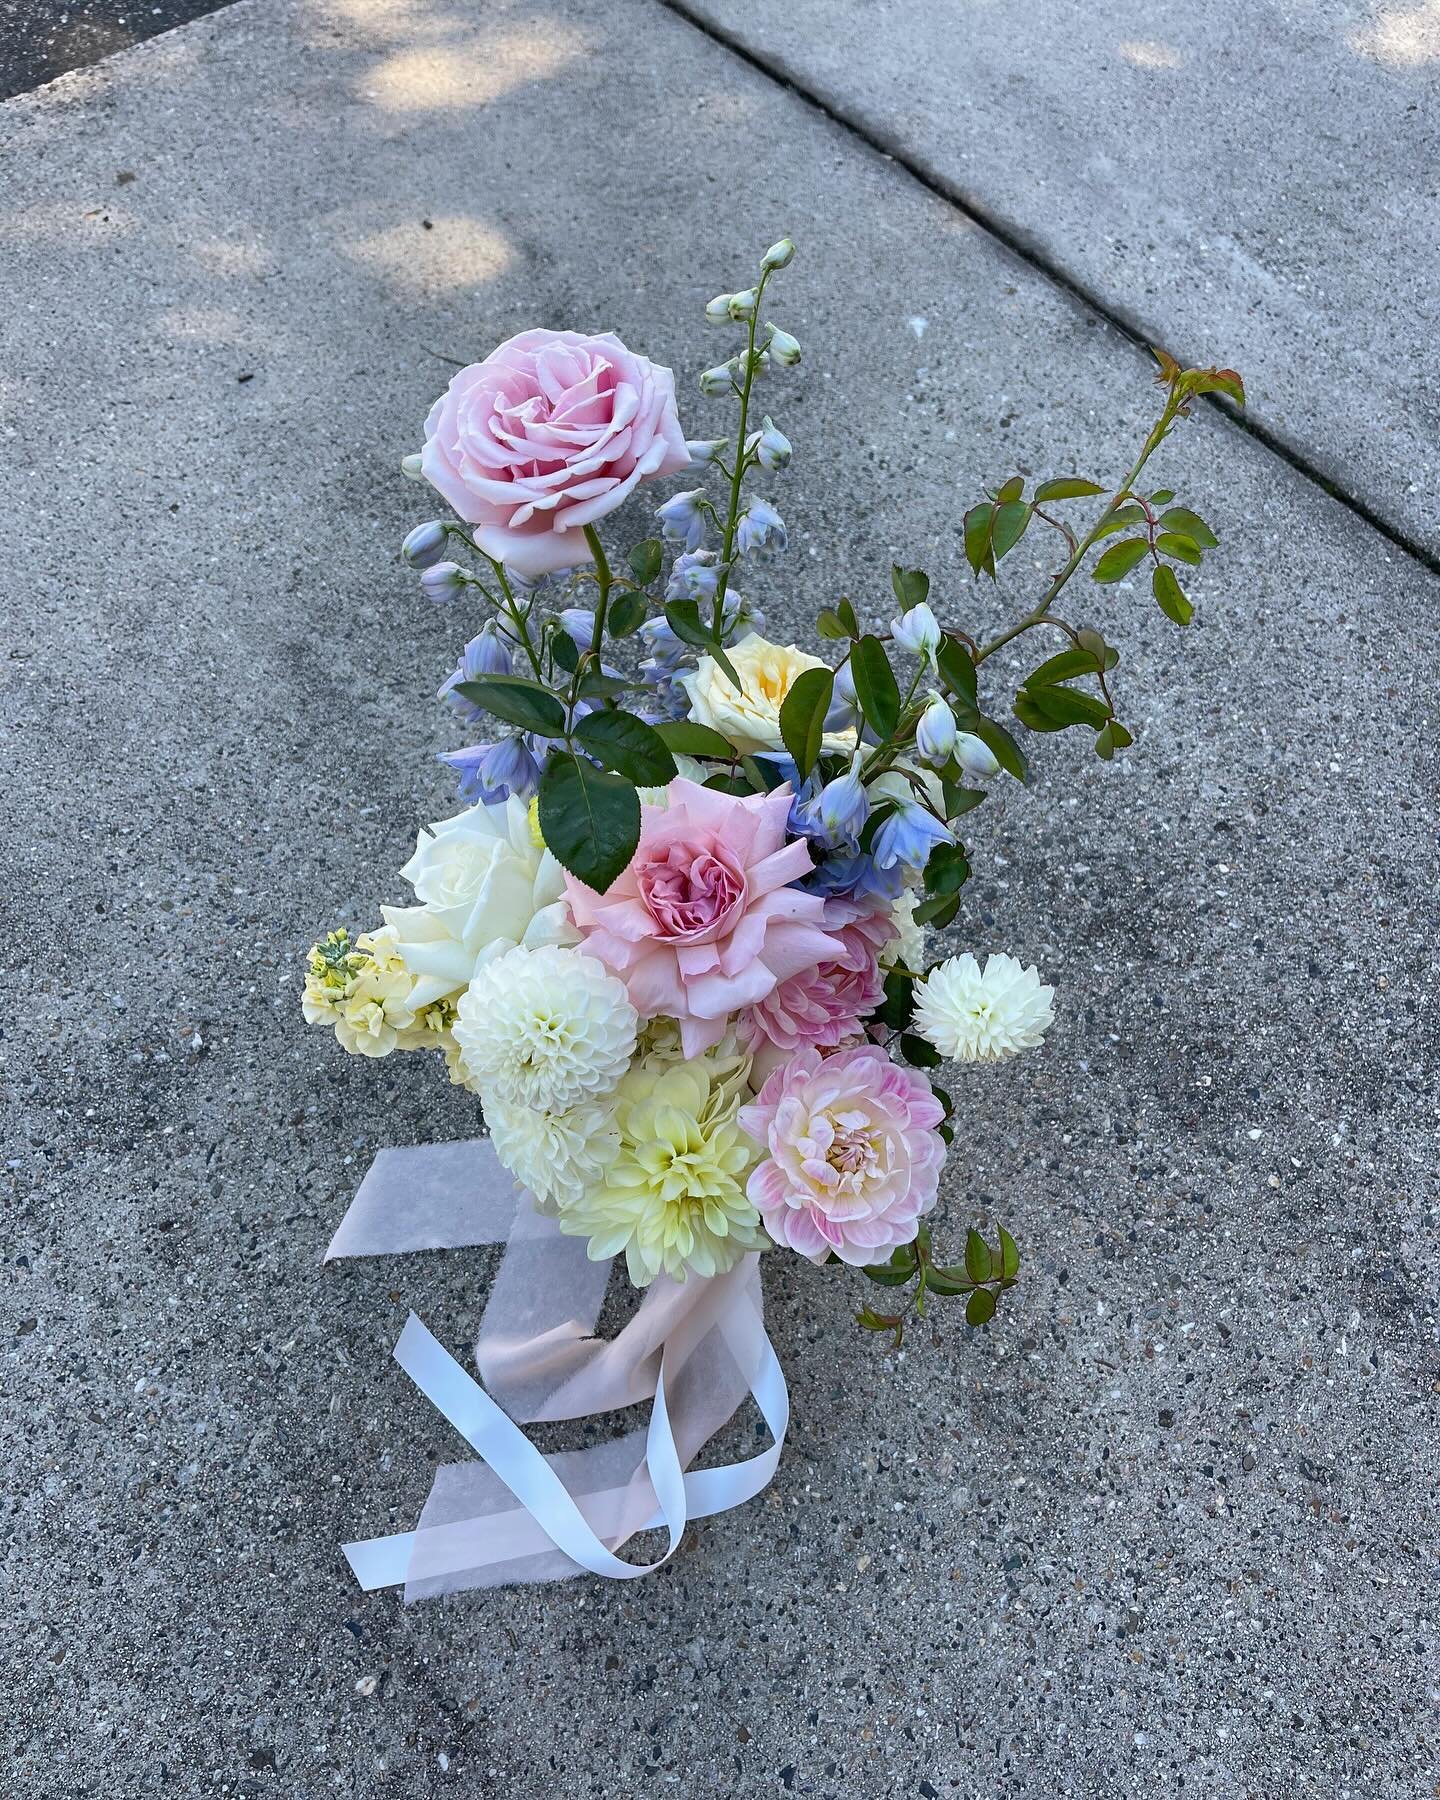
{"x":824,"y":1005}
{"x":704,"y":922}
{"x":854,"y":1159}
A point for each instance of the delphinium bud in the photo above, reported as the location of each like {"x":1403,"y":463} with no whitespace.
{"x":719,"y":380}
{"x":424,"y":545}
{"x":782,"y":347}
{"x":443,"y":582}
{"x":717,"y":311}
{"x":935,"y":735}
{"x":694,"y":576}
{"x":976,"y":757}
{"x":411,"y":467}
{"x":771,"y":448}
{"x":742,"y":306}
{"x":917,"y":631}
{"x":707,"y":450}
{"x":760,"y":527}
{"x":682,"y":518}
{"x":843,"y":809}
{"x":778,"y":256}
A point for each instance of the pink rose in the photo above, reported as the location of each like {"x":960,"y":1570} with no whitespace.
{"x":547,"y":435}
{"x":704,"y":922}
{"x":824,"y":1005}
{"x":854,"y":1156}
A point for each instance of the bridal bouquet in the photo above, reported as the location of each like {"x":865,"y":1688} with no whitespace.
{"x":676,"y":943}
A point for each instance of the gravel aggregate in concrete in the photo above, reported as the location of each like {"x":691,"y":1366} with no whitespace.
{"x":1168,"y":1526}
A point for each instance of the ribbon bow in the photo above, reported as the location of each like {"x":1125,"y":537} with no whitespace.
{"x":693,"y":1349}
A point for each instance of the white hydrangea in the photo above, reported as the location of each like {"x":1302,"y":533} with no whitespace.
{"x":557,"y":1156}
{"x":972,"y":1016}
{"x":547,"y":1028}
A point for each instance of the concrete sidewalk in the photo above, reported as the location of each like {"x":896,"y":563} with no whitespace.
{"x":1166,"y":1527}
{"x":1255,"y":182}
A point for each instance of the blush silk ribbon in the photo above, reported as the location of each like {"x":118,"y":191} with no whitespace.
{"x":693,"y":1349}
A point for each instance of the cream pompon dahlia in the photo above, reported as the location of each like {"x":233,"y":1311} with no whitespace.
{"x":972,"y":1016}
{"x":547,"y":1028}
{"x":672,"y":1196}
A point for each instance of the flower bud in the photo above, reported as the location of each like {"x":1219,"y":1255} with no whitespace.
{"x":410,"y":467}
{"x":771,"y":446}
{"x":442,"y":582}
{"x":917,"y":631}
{"x":578,"y":624}
{"x":935,"y":734}
{"x":760,"y":527}
{"x":682,"y":519}
{"x":423,"y":545}
{"x":707,"y":450}
{"x":742,"y":306}
{"x":694,"y":576}
{"x":778,"y":256}
{"x":717,"y":311}
{"x":975,"y":757}
{"x":784,"y":348}
{"x":843,"y":808}
{"x":719,"y":380}
{"x":488,"y":654}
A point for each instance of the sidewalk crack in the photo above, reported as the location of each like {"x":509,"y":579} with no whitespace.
{"x":1022,"y":246}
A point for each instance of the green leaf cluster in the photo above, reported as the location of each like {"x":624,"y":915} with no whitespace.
{"x":985,"y":1273}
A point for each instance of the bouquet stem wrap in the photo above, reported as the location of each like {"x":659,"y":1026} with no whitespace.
{"x":694,"y":1349}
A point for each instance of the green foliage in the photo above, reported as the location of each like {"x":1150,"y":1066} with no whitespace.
{"x":645,"y":560}
{"x":589,"y":818}
{"x":987,"y":1272}
{"x":1068,"y":487}
{"x":518,"y":701}
{"x":875,"y":686}
{"x":912,"y":586}
{"x":802,"y":717}
{"x":1120,"y":559}
{"x":689,"y":739}
{"x":957,"y":669}
{"x":628,"y":746}
{"x":1170,"y":596}
{"x":626,"y":615}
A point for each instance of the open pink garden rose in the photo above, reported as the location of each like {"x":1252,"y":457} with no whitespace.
{"x":703,"y":923}
{"x":547,"y":435}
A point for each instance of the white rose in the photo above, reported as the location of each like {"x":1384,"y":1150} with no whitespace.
{"x":484,"y":887}
{"x":749,"y":716}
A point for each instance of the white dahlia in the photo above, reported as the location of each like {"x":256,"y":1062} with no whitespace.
{"x":975,"y":1017}
{"x":557,"y":1156}
{"x":545,"y":1028}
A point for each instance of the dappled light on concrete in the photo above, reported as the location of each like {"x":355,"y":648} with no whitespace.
{"x":1150,"y":56}
{"x":1401,"y":37}
{"x":451,"y":76}
{"x":448,"y":253}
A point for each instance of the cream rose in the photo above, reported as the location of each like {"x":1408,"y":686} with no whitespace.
{"x":484,"y":887}
{"x":749,"y":716}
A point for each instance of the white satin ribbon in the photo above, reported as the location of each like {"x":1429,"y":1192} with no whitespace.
{"x":694,"y":1349}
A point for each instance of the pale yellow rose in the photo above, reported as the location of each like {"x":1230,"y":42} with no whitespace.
{"x":749,"y":716}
